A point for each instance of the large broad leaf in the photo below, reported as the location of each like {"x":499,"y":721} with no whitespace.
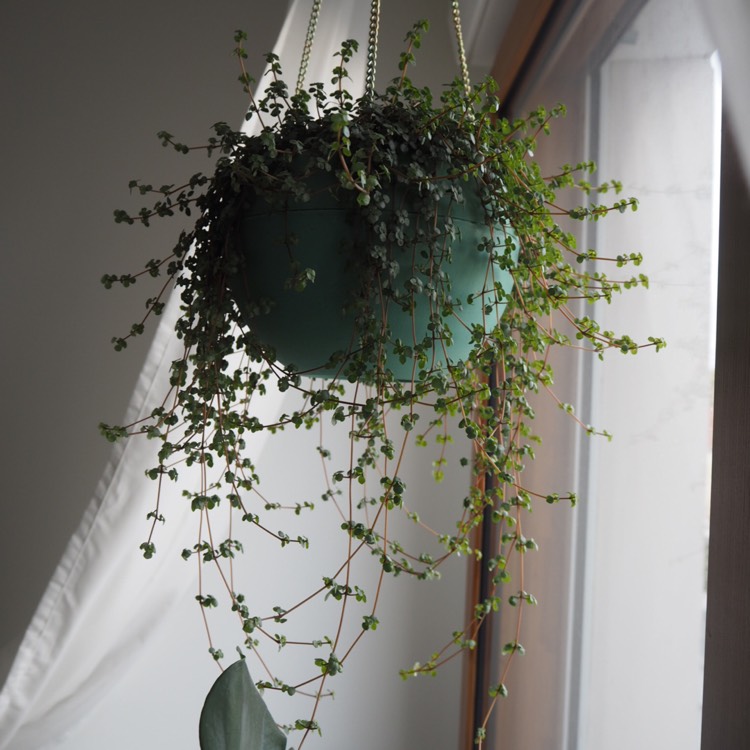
{"x":234,"y":716}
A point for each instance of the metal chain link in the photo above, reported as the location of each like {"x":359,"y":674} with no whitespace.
{"x":461,"y":50}
{"x":311,"y":26}
{"x":372,"y":48}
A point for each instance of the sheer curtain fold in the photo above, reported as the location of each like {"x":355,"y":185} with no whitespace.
{"x":87,"y":616}
{"x":104,"y":602}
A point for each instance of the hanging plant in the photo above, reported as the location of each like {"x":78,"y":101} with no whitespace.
{"x":397,"y":262}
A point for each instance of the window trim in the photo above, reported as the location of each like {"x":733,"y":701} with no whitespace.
{"x":726,"y":687}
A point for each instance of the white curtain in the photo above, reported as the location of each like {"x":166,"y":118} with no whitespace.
{"x":104,"y":603}
{"x":86,"y":625}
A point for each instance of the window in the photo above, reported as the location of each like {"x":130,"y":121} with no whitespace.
{"x":615,"y":649}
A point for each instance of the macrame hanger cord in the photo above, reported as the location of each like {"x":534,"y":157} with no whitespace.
{"x":372,"y":48}
{"x":461,"y":49}
{"x":312,"y":24}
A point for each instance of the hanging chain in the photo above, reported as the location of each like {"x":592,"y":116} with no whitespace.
{"x":311,"y":26}
{"x":372,"y":48}
{"x":461,"y":50}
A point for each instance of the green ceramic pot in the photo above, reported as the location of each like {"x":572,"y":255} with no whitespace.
{"x":315,"y":329}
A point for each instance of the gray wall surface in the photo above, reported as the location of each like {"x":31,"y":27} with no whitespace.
{"x":84,"y":87}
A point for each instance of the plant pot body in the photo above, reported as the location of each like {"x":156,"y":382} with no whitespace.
{"x":329,"y":235}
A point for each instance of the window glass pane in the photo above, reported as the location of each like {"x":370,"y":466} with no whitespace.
{"x":614,"y":651}
{"x":644,"y":603}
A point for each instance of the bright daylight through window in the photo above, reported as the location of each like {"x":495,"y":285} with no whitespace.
{"x":647,"y":533}
{"x":620,"y":627}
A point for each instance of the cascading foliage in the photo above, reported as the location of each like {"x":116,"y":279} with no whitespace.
{"x":371,"y":150}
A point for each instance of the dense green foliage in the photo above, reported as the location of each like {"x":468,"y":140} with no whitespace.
{"x":444,"y":153}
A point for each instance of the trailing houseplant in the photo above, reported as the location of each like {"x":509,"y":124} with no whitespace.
{"x":421,"y":309}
